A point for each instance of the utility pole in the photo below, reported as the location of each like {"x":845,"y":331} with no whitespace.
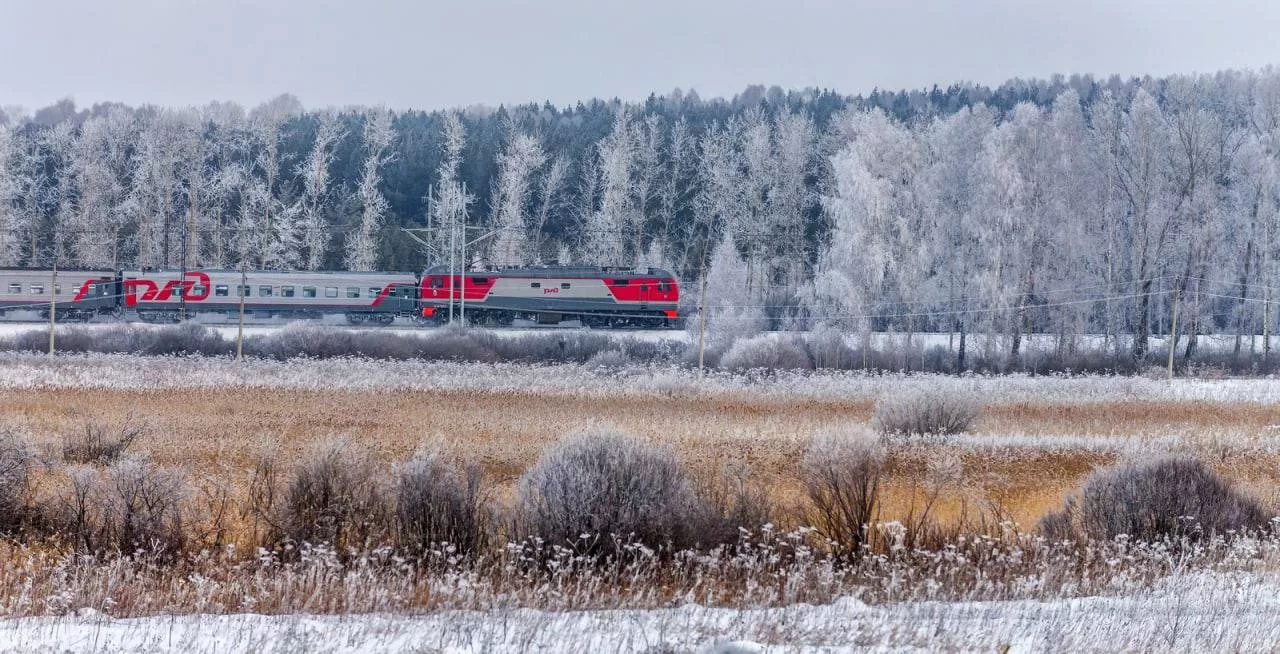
{"x":1173,"y":331}
{"x":702,"y":310}
{"x":462,"y":310}
{"x":244,"y":289}
{"x":53,"y":302}
{"x":182,"y":278}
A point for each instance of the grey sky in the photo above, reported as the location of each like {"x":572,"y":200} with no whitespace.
{"x":431,"y":54}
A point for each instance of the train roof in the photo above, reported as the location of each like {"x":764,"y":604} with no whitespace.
{"x":572,"y":272}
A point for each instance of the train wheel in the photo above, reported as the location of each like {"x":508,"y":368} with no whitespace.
{"x":382,"y":318}
{"x":356,"y":318}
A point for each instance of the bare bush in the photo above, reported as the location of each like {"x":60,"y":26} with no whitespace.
{"x":437,"y":504}
{"x":16,"y":462}
{"x":185,"y":339}
{"x":332,"y":497}
{"x":767,"y":351}
{"x":300,"y":340}
{"x":926,"y":413}
{"x":841,"y":474}
{"x":1170,"y":497}
{"x":100,"y":443}
{"x":144,"y":509}
{"x":598,"y":492}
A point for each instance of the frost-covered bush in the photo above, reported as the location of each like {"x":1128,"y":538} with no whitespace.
{"x":598,"y":492}
{"x":99,"y":443}
{"x":767,"y":351}
{"x":301,"y":340}
{"x":561,"y":346}
{"x":332,"y":497}
{"x":608,"y":359}
{"x":16,"y":461}
{"x":827,"y":349}
{"x":841,"y":474}
{"x":924,"y":412}
{"x":1169,"y":497}
{"x":186,"y":338}
{"x":144,"y":509}
{"x":435,"y":504}
{"x":131,"y":508}
{"x":457,"y":344}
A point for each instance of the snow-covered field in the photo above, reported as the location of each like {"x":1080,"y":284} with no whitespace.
{"x":122,"y":371}
{"x":1197,"y":611}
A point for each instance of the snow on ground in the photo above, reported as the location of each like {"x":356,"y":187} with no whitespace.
{"x":1198,"y":611}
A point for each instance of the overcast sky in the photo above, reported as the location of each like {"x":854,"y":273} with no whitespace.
{"x":432,"y":54}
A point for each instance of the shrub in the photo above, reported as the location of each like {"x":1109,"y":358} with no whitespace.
{"x":841,"y":475}
{"x":133,"y":507}
{"x":186,"y":338}
{"x":437,"y":504}
{"x":301,"y":340}
{"x":16,"y":460}
{"x":598,"y":492}
{"x":143,"y":509}
{"x":332,"y":497}
{"x":767,"y":351}
{"x":99,"y":443}
{"x":924,"y":413}
{"x":1170,"y":497}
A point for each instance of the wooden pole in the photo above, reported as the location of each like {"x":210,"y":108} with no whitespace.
{"x":244,"y":289}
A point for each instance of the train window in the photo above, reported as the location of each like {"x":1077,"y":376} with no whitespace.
{"x":286,"y":291}
{"x":221,"y":290}
{"x":564,"y":284}
{"x":308,"y":291}
{"x":535,"y":285}
{"x":331,"y":291}
{"x":436,"y":282}
{"x":353,"y":291}
{"x":198,"y":290}
{"x":481,"y":281}
{"x":374,"y":291}
{"x":57,"y":289}
{"x":622,"y":282}
{"x":15,"y":288}
{"x":244,"y":291}
{"x":664,"y":287}
{"x":37,"y":289}
{"x":264,"y":291}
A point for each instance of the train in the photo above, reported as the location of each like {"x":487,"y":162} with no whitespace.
{"x":597,"y":297}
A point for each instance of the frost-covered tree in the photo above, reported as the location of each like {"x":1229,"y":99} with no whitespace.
{"x":102,"y":166}
{"x":266,"y":122}
{"x":361,"y":246}
{"x":451,"y":200}
{"x":517,"y":163}
{"x":550,"y":194}
{"x":950,"y":188}
{"x":316,"y":191}
{"x":605,"y":241}
{"x":876,"y":265}
{"x":11,"y":184}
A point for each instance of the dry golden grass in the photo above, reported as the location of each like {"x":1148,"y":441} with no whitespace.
{"x":218,"y":434}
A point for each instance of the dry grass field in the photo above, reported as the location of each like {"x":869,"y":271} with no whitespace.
{"x":1021,"y":459}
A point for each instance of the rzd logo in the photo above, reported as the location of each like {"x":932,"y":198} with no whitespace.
{"x":548,"y":291}
{"x":146,"y":290}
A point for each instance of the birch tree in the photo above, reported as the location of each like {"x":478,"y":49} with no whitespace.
{"x":517,"y":163}
{"x":361,"y":246}
{"x":316,"y":230}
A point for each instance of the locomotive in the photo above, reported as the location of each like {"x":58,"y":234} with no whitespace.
{"x":597,"y":297}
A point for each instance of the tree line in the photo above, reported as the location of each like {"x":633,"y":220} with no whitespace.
{"x":1068,"y":206}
